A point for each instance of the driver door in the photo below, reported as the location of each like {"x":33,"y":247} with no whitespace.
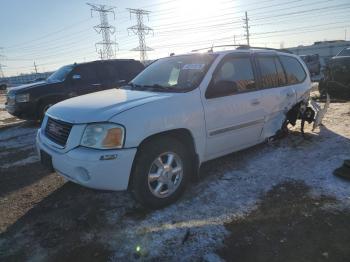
{"x":85,"y":80}
{"x":234,"y":118}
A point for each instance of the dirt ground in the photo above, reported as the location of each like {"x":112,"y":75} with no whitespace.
{"x":277,"y":201}
{"x":289,"y":225}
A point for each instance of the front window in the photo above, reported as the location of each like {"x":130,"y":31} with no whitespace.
{"x":345,"y":52}
{"x":60,"y":75}
{"x":174,"y":74}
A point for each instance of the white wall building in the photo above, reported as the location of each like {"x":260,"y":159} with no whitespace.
{"x":325,"y":49}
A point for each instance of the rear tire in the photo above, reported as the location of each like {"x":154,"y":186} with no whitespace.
{"x":161,"y":172}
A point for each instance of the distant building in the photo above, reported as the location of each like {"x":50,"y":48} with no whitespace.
{"x":325,"y":49}
{"x":24,"y":78}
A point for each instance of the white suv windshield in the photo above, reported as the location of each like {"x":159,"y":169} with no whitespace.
{"x":60,"y":75}
{"x":176,"y":73}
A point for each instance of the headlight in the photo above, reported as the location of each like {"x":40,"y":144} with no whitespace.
{"x":103,"y":136}
{"x":10,"y":99}
{"x":22,"y":98}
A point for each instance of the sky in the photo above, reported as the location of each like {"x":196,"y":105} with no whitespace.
{"x":54,"y":33}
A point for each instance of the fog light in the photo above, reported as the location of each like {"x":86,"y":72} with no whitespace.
{"x":82,"y":174}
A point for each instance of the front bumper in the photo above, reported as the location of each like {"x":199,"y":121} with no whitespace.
{"x":85,"y":167}
{"x":25,"y":111}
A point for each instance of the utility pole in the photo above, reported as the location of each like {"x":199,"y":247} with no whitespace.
{"x":2,"y":75}
{"x":141,"y":30}
{"x":105,"y":29}
{"x":246,"y":27}
{"x":345,"y":34}
{"x":35,"y":68}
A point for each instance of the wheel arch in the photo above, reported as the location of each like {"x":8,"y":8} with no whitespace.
{"x":184,"y":136}
{"x":48,"y":99}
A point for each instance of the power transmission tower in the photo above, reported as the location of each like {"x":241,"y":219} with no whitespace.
{"x":246,"y":27}
{"x":35,"y":68}
{"x":106,"y":51}
{"x":141,"y":30}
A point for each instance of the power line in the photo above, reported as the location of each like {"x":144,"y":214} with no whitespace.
{"x":48,"y":35}
{"x":105,"y":29}
{"x":187,"y":23}
{"x":300,"y":12}
{"x":141,"y":30}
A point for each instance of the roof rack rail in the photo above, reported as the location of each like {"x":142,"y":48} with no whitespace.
{"x":210,"y":49}
{"x":266,"y":48}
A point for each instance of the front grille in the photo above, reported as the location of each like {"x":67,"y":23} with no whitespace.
{"x":58,"y":131}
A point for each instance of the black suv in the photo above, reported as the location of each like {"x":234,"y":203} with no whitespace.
{"x":31,"y":101}
{"x":336,"y":80}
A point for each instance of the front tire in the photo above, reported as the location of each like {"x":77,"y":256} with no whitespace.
{"x":161,"y":172}
{"x":43,"y":108}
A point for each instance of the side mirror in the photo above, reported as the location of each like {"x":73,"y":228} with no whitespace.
{"x":221,"y":88}
{"x":76,"y":77}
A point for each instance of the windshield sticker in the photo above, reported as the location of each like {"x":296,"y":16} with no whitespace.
{"x":193,"y":67}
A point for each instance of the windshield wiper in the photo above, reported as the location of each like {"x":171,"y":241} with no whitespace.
{"x":154,"y":87}
{"x":157,"y":87}
{"x":131,"y":86}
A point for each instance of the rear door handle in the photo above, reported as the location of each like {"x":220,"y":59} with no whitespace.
{"x":255,"y":102}
{"x":97,"y":84}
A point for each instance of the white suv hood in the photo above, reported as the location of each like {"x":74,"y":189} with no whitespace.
{"x":101,"y":106}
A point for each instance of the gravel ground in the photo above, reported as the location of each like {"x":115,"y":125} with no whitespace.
{"x":5,"y":118}
{"x":273,"y":202}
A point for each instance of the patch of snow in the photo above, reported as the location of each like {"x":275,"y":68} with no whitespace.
{"x":212,"y":257}
{"x":4,"y":115}
{"x":22,"y":162}
{"x":234,"y":189}
{"x":6,"y":118}
{"x":22,"y":148}
{"x":17,"y":137}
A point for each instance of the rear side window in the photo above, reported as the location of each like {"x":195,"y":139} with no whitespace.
{"x":128,"y":69}
{"x":282,"y":80}
{"x":107,"y":73}
{"x":113,"y":71}
{"x":239,"y":71}
{"x":294,"y":70}
{"x":268,"y":70}
{"x":87,"y":73}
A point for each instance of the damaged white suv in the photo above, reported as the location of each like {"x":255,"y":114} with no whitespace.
{"x":152,"y":135}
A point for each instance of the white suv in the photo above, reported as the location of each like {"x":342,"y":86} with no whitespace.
{"x":152,"y":135}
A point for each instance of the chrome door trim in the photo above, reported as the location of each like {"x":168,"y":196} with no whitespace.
{"x":235,"y":127}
